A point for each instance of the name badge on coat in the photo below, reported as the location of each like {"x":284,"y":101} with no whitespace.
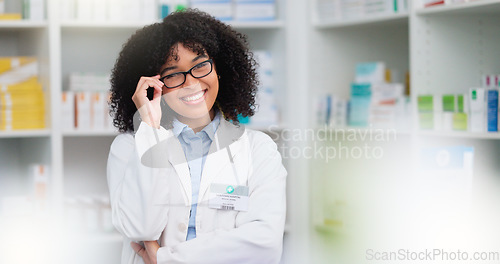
{"x":228,"y":197}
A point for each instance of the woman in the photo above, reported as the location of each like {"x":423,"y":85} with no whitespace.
{"x":191,"y":185}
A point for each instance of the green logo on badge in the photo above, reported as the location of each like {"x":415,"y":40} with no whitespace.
{"x":229,"y":189}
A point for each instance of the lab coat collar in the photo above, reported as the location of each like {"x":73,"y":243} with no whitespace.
{"x":226,"y":134}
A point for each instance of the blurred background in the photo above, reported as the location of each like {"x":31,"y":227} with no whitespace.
{"x":385,"y":113}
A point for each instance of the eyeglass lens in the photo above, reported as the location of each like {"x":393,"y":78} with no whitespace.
{"x":198,"y":71}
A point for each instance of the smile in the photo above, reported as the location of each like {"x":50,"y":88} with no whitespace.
{"x":194,"y":98}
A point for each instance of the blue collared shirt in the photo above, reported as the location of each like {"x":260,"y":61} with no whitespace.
{"x":196,"y":147}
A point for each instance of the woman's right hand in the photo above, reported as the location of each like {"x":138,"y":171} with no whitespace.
{"x":150,"y":111}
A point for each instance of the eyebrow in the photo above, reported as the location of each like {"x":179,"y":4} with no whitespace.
{"x":175,"y":67}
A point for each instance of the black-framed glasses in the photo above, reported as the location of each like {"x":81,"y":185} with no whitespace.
{"x":177,"y":79}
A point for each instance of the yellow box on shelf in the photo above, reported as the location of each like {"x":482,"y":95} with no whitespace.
{"x":29,"y":85}
{"x":6,"y":125}
{"x":23,"y":107}
{"x":19,"y":73}
{"x":11,"y":16}
{"x":8,"y":63}
{"x":22,"y":116}
{"x":17,"y":105}
{"x":21,"y":99}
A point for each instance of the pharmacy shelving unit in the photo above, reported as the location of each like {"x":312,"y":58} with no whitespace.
{"x":77,"y":159}
{"x":20,"y":149}
{"x":446,"y":50}
{"x":454,"y":46}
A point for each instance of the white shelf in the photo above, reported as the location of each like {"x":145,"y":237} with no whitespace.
{"x":461,"y":134}
{"x":22,"y":24}
{"x":25,"y":133}
{"x":139,"y":24}
{"x":104,"y":24}
{"x":477,"y":7}
{"x":90,"y":133}
{"x":257,"y":24}
{"x":366,"y":21}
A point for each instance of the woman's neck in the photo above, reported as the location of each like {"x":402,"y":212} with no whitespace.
{"x":197,"y":124}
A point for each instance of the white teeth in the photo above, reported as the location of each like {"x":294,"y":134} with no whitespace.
{"x":194,"y":97}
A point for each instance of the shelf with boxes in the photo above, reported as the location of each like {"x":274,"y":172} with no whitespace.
{"x":86,"y":65}
{"x":458,"y":7}
{"x":113,"y":13}
{"x":32,"y":10}
{"x":378,"y":101}
{"x":457,"y":95}
{"x":341,"y":13}
{"x":26,"y":134}
{"x":366,"y":21}
{"x":341,"y":49}
{"x":475,"y":111}
{"x":24,"y":69}
{"x":230,"y":10}
{"x":23,"y":108}
{"x":22,"y":98}
{"x":85,"y":105}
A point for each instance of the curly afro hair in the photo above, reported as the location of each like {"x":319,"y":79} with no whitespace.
{"x":150,"y":47}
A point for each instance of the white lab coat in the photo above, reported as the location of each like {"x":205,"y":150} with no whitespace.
{"x":153,"y":202}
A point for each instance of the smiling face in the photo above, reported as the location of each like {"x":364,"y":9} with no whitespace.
{"x":193,"y":100}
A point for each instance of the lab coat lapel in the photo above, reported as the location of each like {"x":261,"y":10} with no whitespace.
{"x":178,"y":160}
{"x":171,"y":148}
{"x":227,"y":136}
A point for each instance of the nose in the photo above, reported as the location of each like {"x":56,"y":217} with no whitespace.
{"x":190,"y":80}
